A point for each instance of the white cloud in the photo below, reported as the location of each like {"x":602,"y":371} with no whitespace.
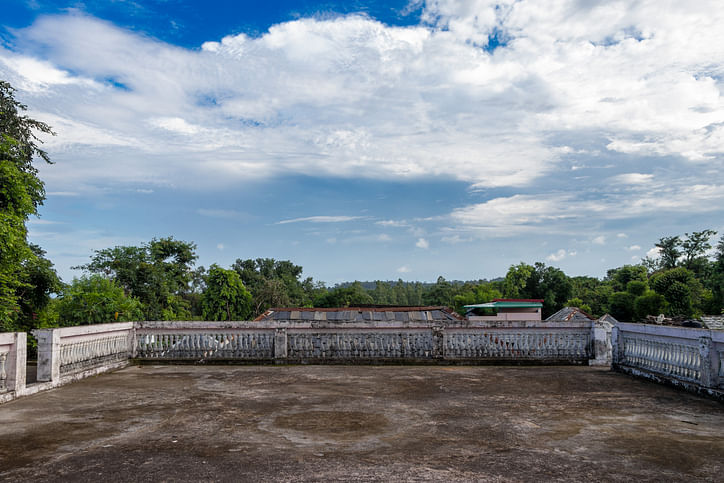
{"x":220,"y":246}
{"x":653,"y":252}
{"x":321,"y":219}
{"x":621,"y":235}
{"x":599,"y":240}
{"x":632,"y":178}
{"x":379,"y":101}
{"x":454,"y":239}
{"x":422,"y":243}
{"x":403,"y":269}
{"x":634,"y":248}
{"x":557,"y":256}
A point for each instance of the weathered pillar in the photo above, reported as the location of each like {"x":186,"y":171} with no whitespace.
{"x":616,"y":346}
{"x":280,"y":346}
{"x":13,"y":362}
{"x":601,"y":343}
{"x":48,"y":354}
{"x":438,"y":342}
{"x":709,"y":362}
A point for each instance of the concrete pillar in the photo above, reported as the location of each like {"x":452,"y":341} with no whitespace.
{"x":616,"y":346}
{"x":13,"y":362}
{"x":601,"y":344}
{"x":438,"y":342}
{"x":709,"y":362}
{"x":48,"y":354}
{"x":280,"y":345}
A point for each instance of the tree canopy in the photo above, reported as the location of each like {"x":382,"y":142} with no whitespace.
{"x":21,"y":193}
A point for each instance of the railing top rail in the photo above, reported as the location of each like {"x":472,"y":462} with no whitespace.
{"x":669,"y":331}
{"x":311,"y":324}
{"x":89,"y":329}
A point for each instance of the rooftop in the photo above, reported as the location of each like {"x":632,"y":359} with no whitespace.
{"x":333,"y":423}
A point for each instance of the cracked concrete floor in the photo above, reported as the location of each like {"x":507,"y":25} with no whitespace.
{"x":314,"y":423}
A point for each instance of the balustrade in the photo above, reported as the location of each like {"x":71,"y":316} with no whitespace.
{"x":205,"y":345}
{"x":86,"y":353}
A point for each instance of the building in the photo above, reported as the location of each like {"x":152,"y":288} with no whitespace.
{"x":506,"y":309}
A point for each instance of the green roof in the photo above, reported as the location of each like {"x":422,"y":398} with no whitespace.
{"x":505,"y":305}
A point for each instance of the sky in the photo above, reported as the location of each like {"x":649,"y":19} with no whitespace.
{"x":374,"y":140}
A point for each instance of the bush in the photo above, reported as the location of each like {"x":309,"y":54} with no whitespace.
{"x":96,"y":300}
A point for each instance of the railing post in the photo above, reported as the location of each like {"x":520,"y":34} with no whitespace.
{"x":616,"y":346}
{"x":280,"y":346}
{"x":709,"y":372}
{"x":48,"y":354}
{"x":601,"y":343}
{"x":17,"y":378}
{"x":438,"y":342}
{"x":12,"y":364}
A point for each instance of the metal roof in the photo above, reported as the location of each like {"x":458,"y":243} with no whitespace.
{"x":358,"y":314}
{"x":506,"y":305}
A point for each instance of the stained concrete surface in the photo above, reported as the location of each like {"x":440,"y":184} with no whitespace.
{"x":362,"y":423}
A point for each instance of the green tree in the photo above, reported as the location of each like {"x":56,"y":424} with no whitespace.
{"x":348,"y":296}
{"x":158,"y":273}
{"x":225,"y":297}
{"x":650,"y":303}
{"x":621,"y":306}
{"x":620,"y":277}
{"x":694,"y":249}
{"x":21,"y":193}
{"x":477,"y":294}
{"x":538,"y":282}
{"x":680,"y":289}
{"x":96,"y":299}
{"x":576,"y":302}
{"x":669,"y":251}
{"x":442,"y":293}
{"x":275,"y":283}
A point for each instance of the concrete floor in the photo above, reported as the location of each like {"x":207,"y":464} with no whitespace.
{"x":313,"y":423}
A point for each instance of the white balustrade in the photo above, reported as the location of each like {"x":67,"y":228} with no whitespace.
{"x":674,"y":353}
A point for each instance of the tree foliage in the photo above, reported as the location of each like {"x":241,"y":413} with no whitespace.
{"x":21,"y":193}
{"x":157,"y":273}
{"x":225,"y":297}
{"x":96,"y":299}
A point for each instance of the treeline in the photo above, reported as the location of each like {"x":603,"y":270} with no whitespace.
{"x":158,"y":281}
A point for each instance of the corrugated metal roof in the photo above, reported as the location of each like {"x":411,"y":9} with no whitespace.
{"x":567,"y":314}
{"x":367,"y":313}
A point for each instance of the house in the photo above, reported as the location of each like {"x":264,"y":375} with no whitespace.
{"x":506,"y":309}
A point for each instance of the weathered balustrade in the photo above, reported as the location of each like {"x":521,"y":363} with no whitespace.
{"x":324,"y":341}
{"x":682,"y":356}
{"x":68,"y":351}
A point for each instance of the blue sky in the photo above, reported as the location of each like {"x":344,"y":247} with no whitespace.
{"x":375,"y":140}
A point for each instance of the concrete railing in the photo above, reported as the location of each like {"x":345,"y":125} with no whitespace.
{"x":13,"y":354}
{"x":686,"y":357}
{"x":75,"y":352}
{"x":72,"y":353}
{"x":368,"y":341}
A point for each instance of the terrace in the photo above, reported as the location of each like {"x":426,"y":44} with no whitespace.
{"x":146,"y":403}
{"x":331,"y":423}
